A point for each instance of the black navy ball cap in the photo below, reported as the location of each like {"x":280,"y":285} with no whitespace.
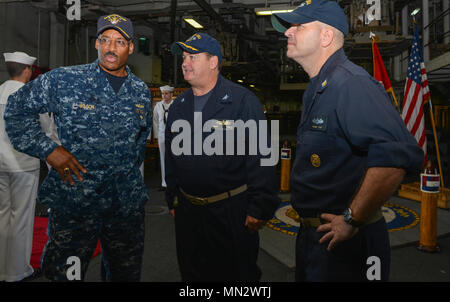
{"x":328,"y":12}
{"x":122,"y":24}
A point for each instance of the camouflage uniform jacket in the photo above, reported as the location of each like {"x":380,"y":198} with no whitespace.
{"x":105,"y":131}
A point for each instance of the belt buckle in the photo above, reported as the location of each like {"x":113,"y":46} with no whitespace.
{"x":200,"y":201}
{"x":305,"y":223}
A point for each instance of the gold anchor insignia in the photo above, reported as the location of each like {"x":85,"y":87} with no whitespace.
{"x":114,"y":18}
{"x":315,"y":160}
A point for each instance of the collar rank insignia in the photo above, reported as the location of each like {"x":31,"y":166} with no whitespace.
{"x":225,"y":99}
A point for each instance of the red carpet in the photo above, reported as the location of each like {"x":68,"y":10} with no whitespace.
{"x":40,"y":238}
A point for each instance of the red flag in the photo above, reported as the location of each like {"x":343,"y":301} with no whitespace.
{"x":416,"y":95}
{"x":379,"y":71}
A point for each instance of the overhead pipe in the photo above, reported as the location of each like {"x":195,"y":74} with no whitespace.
{"x":426,"y":30}
{"x":445,"y":7}
{"x":39,"y":39}
{"x":87,"y":44}
{"x":405,"y":21}
{"x":224,"y":26}
{"x":173,"y":15}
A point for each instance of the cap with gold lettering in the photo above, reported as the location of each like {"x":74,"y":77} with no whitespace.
{"x":121,"y":24}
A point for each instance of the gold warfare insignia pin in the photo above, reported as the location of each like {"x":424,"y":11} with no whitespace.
{"x":315,"y":160}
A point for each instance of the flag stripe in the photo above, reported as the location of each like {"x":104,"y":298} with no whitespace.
{"x":407,"y":87}
{"x":418,"y":120}
{"x":412,"y":105}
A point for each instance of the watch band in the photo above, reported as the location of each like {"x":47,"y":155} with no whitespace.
{"x":349,"y":218}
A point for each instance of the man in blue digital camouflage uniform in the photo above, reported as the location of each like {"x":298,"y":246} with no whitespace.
{"x":353,"y":151}
{"x":224,"y":198}
{"x":95,"y":190}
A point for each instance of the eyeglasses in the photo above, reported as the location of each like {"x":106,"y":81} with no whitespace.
{"x":192,"y":57}
{"x":118,"y":43}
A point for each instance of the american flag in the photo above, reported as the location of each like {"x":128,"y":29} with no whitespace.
{"x":416,"y":94}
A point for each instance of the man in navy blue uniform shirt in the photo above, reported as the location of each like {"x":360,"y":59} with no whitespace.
{"x":220,"y":200}
{"x":353,"y":151}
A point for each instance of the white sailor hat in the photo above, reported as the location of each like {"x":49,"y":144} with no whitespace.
{"x":19,"y":57}
{"x":166,"y":88}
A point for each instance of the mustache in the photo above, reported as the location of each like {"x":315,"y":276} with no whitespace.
{"x":110,"y":53}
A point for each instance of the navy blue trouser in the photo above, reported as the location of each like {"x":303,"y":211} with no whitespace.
{"x":75,"y":233}
{"x":347,"y":261}
{"x":213,"y":243}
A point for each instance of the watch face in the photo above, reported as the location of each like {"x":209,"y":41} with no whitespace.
{"x":347,"y":215}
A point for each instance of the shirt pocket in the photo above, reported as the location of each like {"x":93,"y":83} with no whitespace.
{"x":84,"y":115}
{"x":140,"y":123}
{"x":85,"y":122}
{"x":316,"y":151}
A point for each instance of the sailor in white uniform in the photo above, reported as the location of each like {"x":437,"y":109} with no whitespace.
{"x":19,"y":179}
{"x":160,"y":113}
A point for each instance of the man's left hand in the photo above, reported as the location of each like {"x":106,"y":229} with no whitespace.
{"x":254,"y":224}
{"x":337,"y":230}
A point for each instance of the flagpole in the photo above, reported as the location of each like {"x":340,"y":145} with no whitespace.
{"x":433,"y":126}
{"x":395,"y":99}
{"x":436,"y":143}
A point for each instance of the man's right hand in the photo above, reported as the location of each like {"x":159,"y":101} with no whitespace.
{"x":65,"y":164}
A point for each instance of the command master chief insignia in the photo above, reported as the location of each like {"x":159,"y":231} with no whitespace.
{"x":315,"y":160}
